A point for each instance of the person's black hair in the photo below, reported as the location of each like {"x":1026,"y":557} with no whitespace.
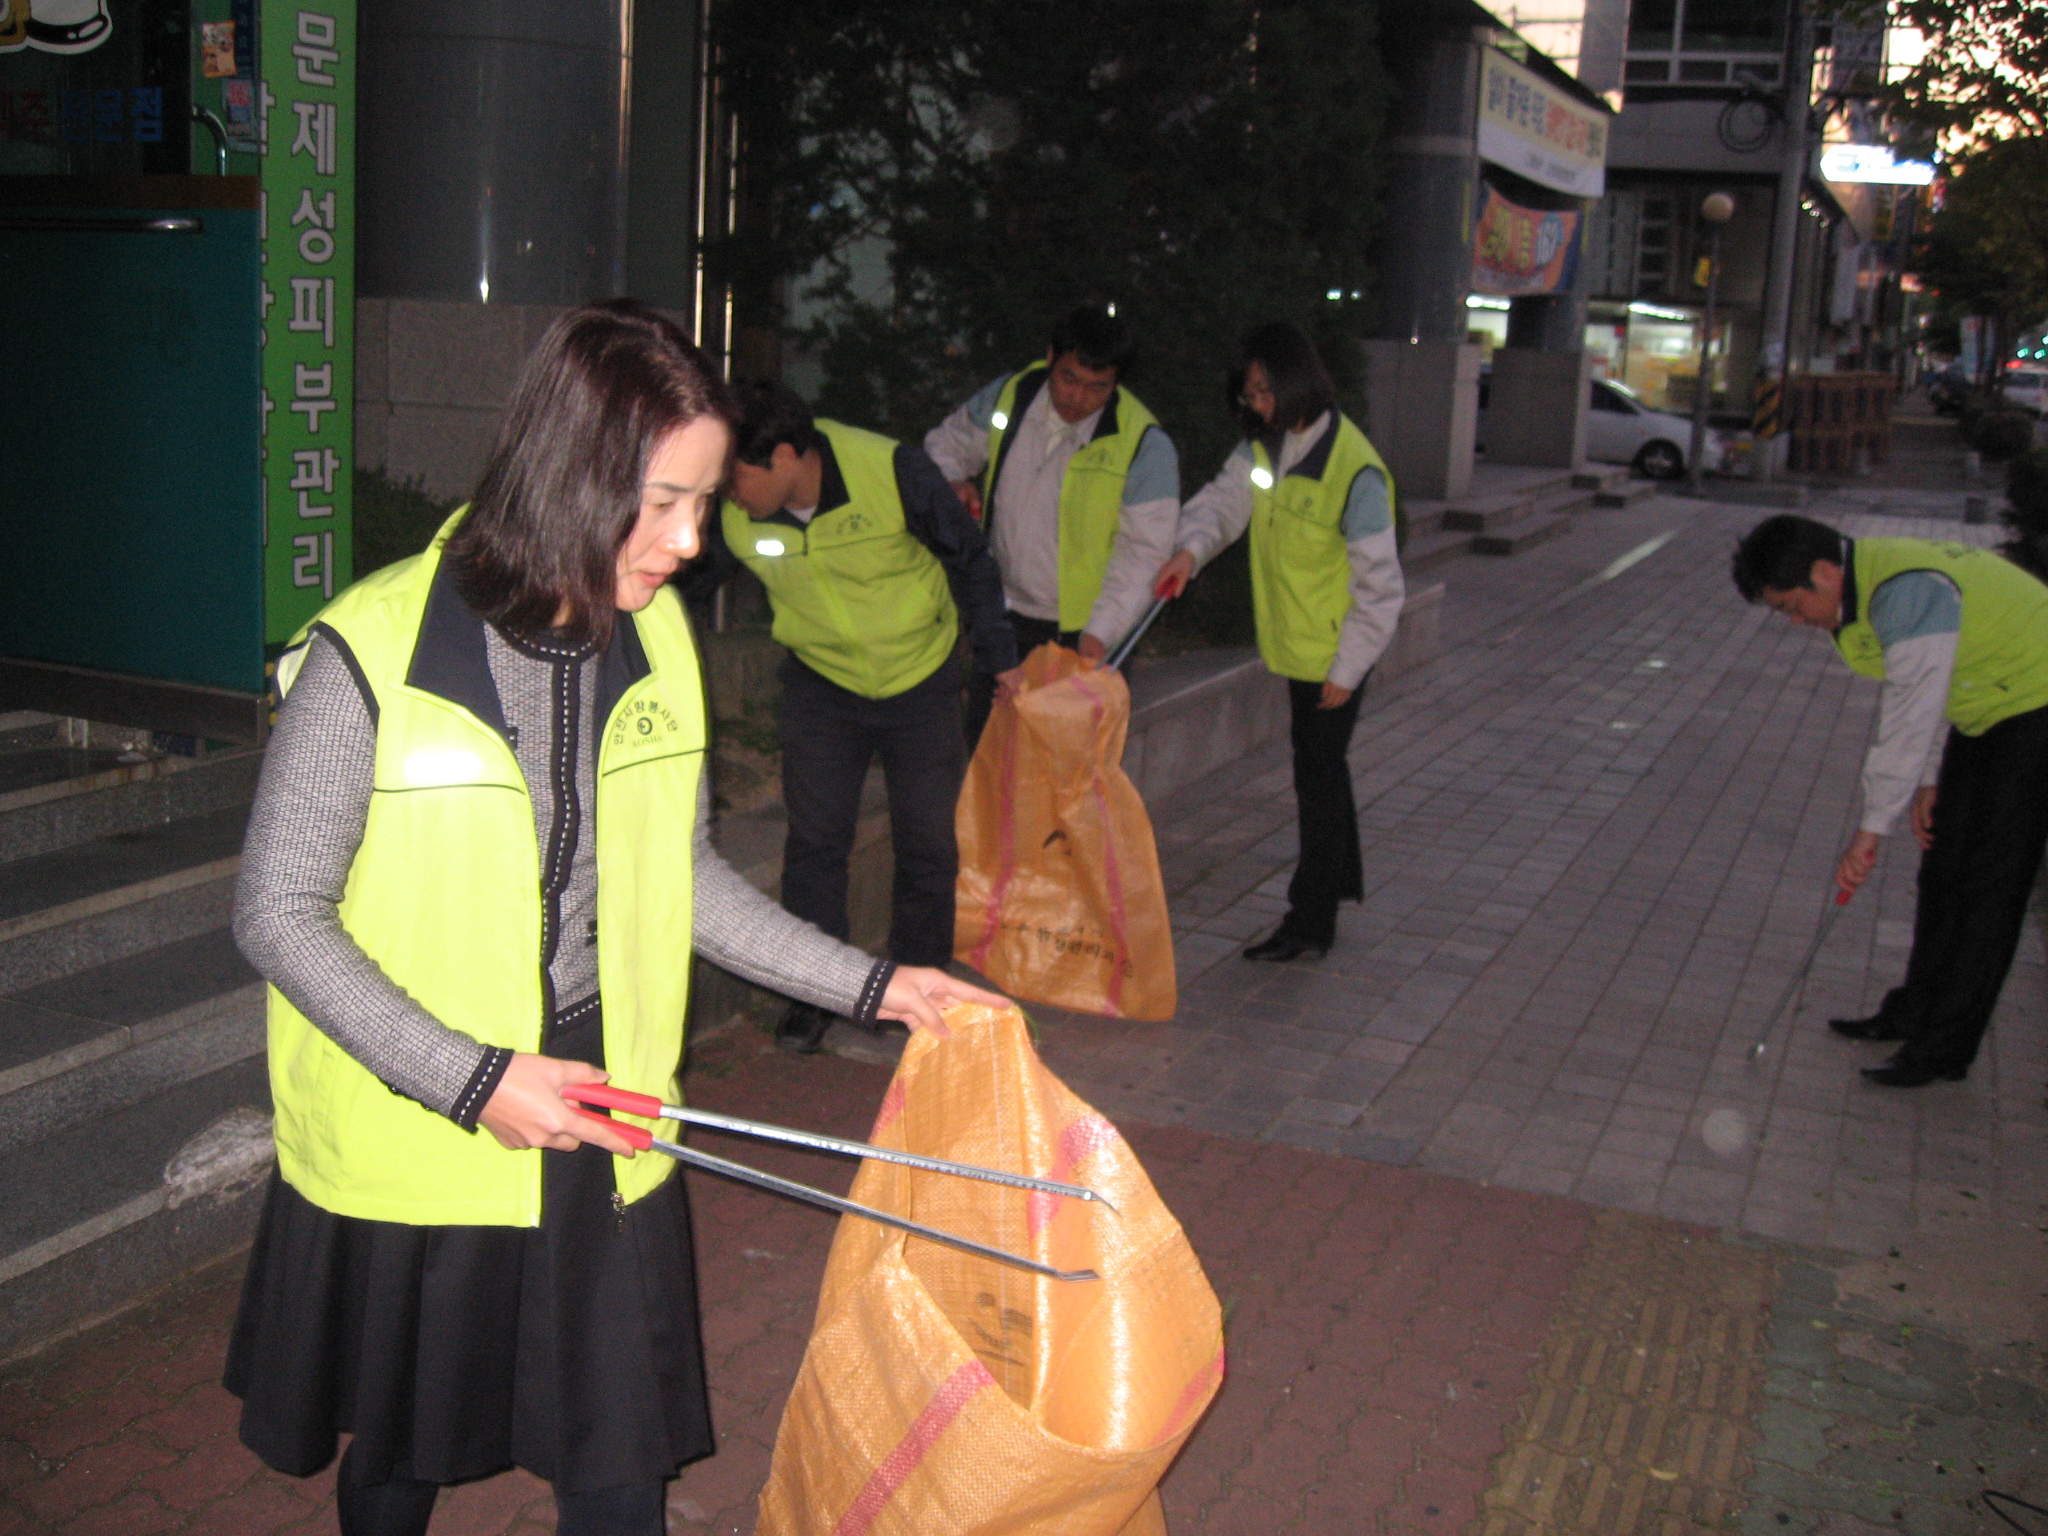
{"x":1301,"y":386}
{"x":1096,"y":338}
{"x":562,"y":490}
{"x":769,"y":412}
{"x":1778,"y":554}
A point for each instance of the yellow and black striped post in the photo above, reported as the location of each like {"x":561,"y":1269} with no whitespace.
{"x":1766,"y":409}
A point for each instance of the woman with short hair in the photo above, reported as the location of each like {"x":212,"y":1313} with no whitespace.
{"x":467,"y":738}
{"x":1326,"y":594}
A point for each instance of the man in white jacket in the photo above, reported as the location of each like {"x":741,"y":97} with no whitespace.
{"x":1076,"y":486}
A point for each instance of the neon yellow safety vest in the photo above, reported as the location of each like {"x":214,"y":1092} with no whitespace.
{"x":445,"y":896}
{"x":2001,"y":667}
{"x":857,"y":595}
{"x":1301,"y":571}
{"x":1091,"y":492}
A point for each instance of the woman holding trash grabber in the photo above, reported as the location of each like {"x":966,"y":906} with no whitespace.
{"x":466,"y":739}
{"x":1326,"y":595}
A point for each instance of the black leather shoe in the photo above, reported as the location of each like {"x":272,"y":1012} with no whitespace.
{"x":1286,"y":944}
{"x":1903,"y":1072}
{"x":802,"y":1029}
{"x":1873,"y":1028}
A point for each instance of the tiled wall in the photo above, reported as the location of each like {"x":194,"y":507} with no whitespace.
{"x":431,"y":382}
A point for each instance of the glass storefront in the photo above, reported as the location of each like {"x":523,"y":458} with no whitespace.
{"x":1655,"y":350}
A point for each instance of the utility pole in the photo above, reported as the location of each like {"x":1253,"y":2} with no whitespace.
{"x":1777,"y":326}
{"x":1717,"y":209}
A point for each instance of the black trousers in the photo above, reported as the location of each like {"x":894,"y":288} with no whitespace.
{"x":1331,"y":869}
{"x":981,"y":687}
{"x":829,"y":737}
{"x":1990,"y":824}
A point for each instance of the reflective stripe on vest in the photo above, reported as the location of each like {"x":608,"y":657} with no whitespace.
{"x":1091,"y":492}
{"x":2001,"y":667}
{"x":444,"y":895}
{"x":856,"y":595}
{"x":1301,"y":570}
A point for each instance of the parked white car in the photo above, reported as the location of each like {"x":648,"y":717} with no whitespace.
{"x":1620,"y":429}
{"x":2026,"y":389}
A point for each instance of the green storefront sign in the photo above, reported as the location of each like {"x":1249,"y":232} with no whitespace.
{"x":308,"y":112}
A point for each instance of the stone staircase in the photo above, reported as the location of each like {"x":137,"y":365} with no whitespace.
{"x":1508,"y":509}
{"x":134,"y":1108}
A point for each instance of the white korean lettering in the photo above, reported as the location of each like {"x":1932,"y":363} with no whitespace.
{"x":313,"y":307}
{"x":313,"y":561}
{"x":315,"y":50}
{"x":313,"y":392}
{"x":317,"y":211}
{"x":316,"y":134}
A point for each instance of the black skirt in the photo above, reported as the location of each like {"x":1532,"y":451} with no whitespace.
{"x":450,"y":1353}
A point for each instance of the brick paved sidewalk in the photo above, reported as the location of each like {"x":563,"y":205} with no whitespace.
{"x":1598,"y":833}
{"x":1502,"y":1218}
{"x":1409,"y":1354}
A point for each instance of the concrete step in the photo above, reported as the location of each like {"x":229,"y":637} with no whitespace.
{"x":1477,"y":514}
{"x":1537,"y":528}
{"x":92,"y":1043}
{"x":105,"y":1211}
{"x":1624,"y":493}
{"x":73,"y":908}
{"x":1434,"y":550}
{"x":53,"y":796}
{"x":1571,"y":498}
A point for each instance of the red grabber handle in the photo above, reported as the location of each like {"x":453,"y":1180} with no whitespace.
{"x":632,"y":1134}
{"x":1172,"y":586}
{"x":1842,"y":897}
{"x":607,"y":1097}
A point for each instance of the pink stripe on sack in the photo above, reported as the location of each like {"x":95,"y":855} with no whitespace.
{"x":1083,"y":1138}
{"x":895,"y":1470}
{"x":1112,"y":875}
{"x":1006,"y":846}
{"x":1190,"y":1395}
{"x":892,"y":1106}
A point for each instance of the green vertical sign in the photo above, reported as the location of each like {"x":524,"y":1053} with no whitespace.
{"x":308,"y":112}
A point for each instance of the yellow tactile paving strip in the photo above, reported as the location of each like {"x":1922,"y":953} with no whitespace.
{"x":1638,"y":1419}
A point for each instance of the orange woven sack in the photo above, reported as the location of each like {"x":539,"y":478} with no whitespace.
{"x":946,"y":1393}
{"x":1059,"y":898}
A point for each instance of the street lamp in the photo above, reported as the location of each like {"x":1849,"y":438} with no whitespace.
{"x":1716,"y":208}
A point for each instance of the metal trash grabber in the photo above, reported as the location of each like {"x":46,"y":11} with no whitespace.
{"x":648,"y":1107}
{"x":739,"y":1172}
{"x":1792,"y":987}
{"x":1160,"y":598}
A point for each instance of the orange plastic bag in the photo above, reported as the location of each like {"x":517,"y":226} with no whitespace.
{"x":1059,"y":898}
{"x":945,"y":1393}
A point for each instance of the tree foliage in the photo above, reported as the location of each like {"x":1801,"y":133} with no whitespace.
{"x":1985,"y":251}
{"x":936,"y":183}
{"x":1985,"y":72}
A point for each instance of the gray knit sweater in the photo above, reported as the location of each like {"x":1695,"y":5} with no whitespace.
{"x":307,"y":823}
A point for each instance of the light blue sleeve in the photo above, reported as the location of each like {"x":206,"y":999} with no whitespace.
{"x":982,"y":403}
{"x":1913,"y":604}
{"x":1155,"y":470}
{"x":1369,"y":509}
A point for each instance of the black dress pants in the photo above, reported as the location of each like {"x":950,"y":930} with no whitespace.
{"x":829,"y":737}
{"x":1331,"y":869}
{"x":981,"y":687}
{"x":1990,"y":824}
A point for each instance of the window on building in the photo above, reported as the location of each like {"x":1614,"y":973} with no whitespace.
{"x":1733,"y":26}
{"x":1653,"y":246}
{"x":1653,"y":26}
{"x":1710,"y":37}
